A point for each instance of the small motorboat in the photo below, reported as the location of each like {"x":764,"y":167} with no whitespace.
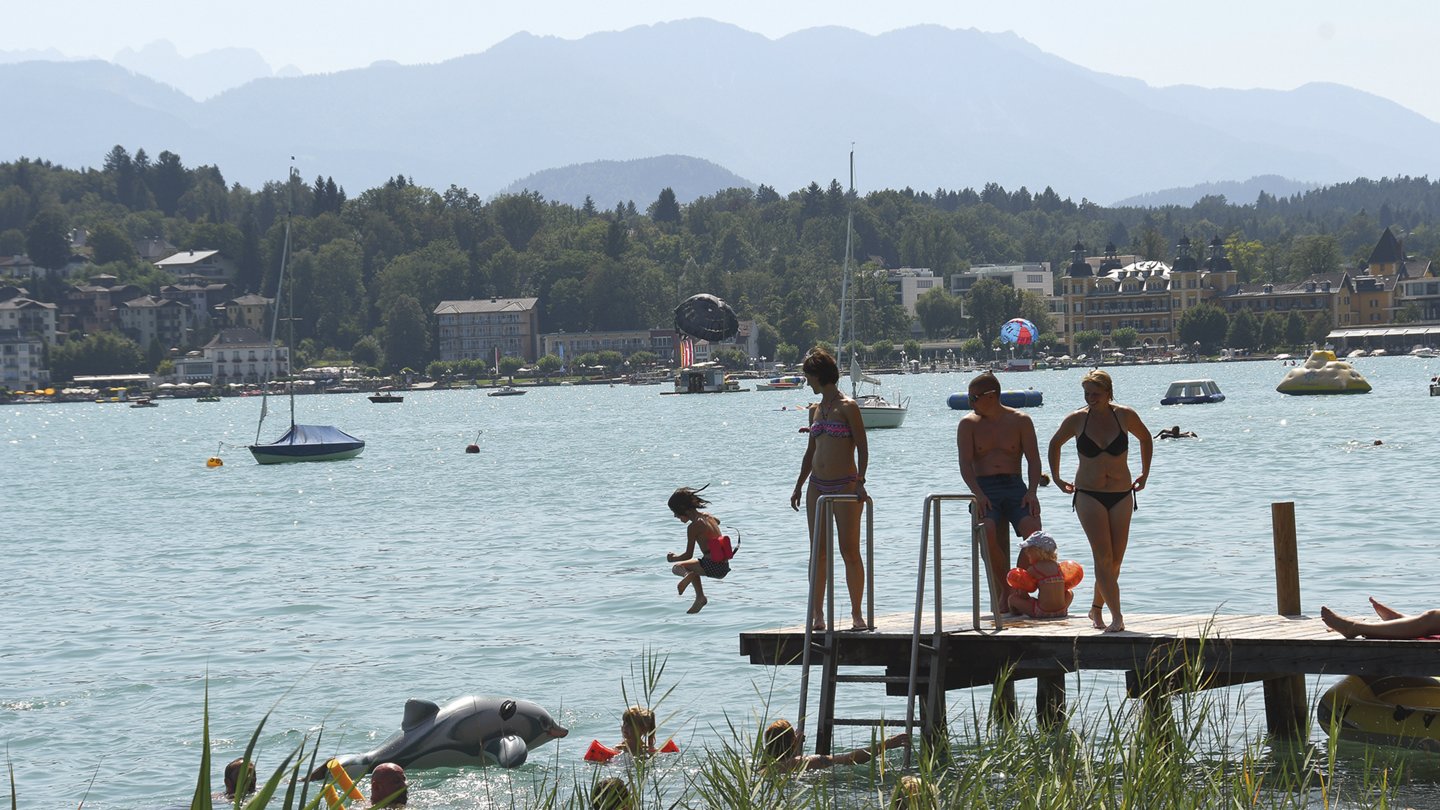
{"x":787,"y":382}
{"x":1192,"y":392}
{"x":1396,"y":710}
{"x":1323,"y":374}
{"x":386,"y":395}
{"x":144,"y":402}
{"x":208,"y":398}
{"x":1027,"y":398}
{"x":507,"y":391}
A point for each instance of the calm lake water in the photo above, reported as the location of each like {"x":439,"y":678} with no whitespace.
{"x":333,"y":592}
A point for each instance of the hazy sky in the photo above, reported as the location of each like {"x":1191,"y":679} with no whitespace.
{"x":1381,"y":47}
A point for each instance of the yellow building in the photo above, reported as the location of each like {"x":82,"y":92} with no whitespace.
{"x":1147,"y":296}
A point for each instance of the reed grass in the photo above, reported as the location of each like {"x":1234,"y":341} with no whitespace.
{"x":1166,"y":749}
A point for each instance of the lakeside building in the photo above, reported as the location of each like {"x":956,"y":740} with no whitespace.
{"x":910,"y":283}
{"x":249,"y":310}
{"x":208,"y":264}
{"x":205,"y":297}
{"x":29,"y":317}
{"x":22,"y":361}
{"x":1152,"y":296}
{"x":476,"y":330}
{"x":234,"y":355}
{"x":150,"y":319}
{"x":1032,"y":277}
{"x":90,"y":307}
{"x":1147,"y":296}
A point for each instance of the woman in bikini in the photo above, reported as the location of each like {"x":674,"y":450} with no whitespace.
{"x":834,"y":463}
{"x":1104,"y":491}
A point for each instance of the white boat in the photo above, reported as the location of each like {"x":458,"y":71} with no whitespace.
{"x":507,"y":391}
{"x":876,"y":412}
{"x":787,"y":382}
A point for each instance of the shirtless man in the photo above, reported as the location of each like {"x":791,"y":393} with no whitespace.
{"x":992,"y":438}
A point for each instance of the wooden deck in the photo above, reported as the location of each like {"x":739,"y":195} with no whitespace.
{"x":1233,"y":648}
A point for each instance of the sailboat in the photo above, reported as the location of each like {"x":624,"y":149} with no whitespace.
{"x":300,"y":442}
{"x":875,"y":410}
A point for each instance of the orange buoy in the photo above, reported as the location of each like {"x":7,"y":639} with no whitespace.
{"x":213,"y":462}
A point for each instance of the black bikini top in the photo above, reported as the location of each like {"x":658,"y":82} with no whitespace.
{"x":1087,"y":447}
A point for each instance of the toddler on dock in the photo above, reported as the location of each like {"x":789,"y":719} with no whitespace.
{"x":1036,"y":569}
{"x":704,"y":533}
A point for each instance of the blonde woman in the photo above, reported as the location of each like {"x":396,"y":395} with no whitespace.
{"x":1103,"y":487}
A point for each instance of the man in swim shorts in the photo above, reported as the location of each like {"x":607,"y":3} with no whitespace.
{"x":992,"y":439}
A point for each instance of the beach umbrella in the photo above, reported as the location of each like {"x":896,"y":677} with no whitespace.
{"x":1019,"y":331}
{"x":705,"y":317}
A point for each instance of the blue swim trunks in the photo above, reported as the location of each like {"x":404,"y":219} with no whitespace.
{"x":1007,"y":498}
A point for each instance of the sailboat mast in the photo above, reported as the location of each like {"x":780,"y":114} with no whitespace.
{"x":272,"y":354}
{"x":845,"y":272}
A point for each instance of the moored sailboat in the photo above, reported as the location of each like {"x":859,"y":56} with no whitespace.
{"x":300,"y":442}
{"x":876,"y":412}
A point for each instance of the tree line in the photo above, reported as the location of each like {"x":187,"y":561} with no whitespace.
{"x":369,"y":269}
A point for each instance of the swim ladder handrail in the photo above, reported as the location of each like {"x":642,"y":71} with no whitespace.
{"x":820,"y":531}
{"x":979,"y":557}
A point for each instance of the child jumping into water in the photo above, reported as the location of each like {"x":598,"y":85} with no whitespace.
{"x":1037,"y":570}
{"x":704,"y":532}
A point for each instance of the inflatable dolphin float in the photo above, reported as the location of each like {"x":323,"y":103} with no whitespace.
{"x":467,"y":731}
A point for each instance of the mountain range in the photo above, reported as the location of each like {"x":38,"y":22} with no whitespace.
{"x":924,"y":107}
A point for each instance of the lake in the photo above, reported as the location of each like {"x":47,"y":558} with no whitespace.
{"x":135,"y":576}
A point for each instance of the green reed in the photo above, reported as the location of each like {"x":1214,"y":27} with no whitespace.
{"x":1171,"y":747}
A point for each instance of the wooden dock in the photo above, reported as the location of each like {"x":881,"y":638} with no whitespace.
{"x":1159,"y":653}
{"x":1229,"y":650}
{"x":1242,"y":647}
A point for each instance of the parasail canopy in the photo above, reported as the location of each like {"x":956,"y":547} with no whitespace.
{"x":705,"y":317}
{"x":1019,"y":331}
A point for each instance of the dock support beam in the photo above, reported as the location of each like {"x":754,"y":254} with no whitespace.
{"x":1286,"y":712}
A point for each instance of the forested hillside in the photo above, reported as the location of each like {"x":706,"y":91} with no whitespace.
{"x":374,"y":264}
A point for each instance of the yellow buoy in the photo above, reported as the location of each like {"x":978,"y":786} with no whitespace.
{"x":342,"y":778}
{"x":214,"y":461}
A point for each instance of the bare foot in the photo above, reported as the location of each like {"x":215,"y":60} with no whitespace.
{"x":1339,"y":624}
{"x":818,"y":625}
{"x":1385,"y":611}
{"x":700,"y":602}
{"x":1097,"y":616}
{"x":1116,"y":626}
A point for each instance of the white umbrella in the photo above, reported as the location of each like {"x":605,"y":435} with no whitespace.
{"x":166,"y":385}
{"x":201,"y":384}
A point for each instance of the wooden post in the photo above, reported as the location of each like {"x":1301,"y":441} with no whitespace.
{"x":1286,"y":713}
{"x":1049,"y":700}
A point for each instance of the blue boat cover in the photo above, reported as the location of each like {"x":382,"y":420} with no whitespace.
{"x":306,"y":440}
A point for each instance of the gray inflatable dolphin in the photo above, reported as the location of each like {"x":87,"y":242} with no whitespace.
{"x":468,"y":731}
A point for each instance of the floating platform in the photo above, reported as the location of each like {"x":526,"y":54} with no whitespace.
{"x":1015,"y":398}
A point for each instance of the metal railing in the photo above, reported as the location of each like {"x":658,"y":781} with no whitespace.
{"x":822,"y":531}
{"x":979,"y":559}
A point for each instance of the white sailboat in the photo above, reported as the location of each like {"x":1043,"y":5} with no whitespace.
{"x":876,"y":411}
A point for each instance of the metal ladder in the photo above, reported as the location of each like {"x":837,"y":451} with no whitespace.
{"x":934,"y":675}
{"x":827,"y":647}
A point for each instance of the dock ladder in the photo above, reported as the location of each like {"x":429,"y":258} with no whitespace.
{"x":933,"y":717}
{"x":827,"y":646}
